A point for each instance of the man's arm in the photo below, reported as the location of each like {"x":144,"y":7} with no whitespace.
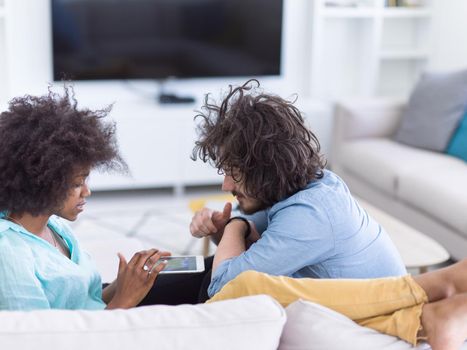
{"x":293,"y":239}
{"x":232,"y":243}
{"x":258,"y":224}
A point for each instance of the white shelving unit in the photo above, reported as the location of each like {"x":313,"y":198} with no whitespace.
{"x":369,"y":50}
{"x":410,"y":12}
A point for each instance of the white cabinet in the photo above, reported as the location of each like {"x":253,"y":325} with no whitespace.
{"x":369,"y":50}
{"x":194,"y":172}
{"x":156,"y":142}
{"x":149,"y":149}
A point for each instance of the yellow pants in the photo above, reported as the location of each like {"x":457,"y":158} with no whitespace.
{"x":389,"y":305}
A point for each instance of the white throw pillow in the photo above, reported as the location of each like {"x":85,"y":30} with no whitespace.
{"x":314,"y":327}
{"x":246,"y":323}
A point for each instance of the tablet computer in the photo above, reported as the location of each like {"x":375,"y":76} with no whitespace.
{"x":183,"y":264}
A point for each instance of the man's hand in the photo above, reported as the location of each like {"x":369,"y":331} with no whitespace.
{"x":207,"y":222}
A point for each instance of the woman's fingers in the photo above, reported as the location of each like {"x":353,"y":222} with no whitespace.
{"x":156,"y":269}
{"x":137,"y":258}
{"x":146,"y":262}
{"x":121,"y":262}
{"x":151,"y":260}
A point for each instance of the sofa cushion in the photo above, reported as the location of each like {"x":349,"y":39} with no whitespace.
{"x":434,"y":110}
{"x":381,"y":162}
{"x":438,"y":190}
{"x":314,"y":327}
{"x":246,"y":323}
{"x":458,"y":144}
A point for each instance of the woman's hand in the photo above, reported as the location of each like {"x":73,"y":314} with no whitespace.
{"x":109,"y":292}
{"x":136,"y":277}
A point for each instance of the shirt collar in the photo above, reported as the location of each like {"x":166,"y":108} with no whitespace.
{"x":6,"y":224}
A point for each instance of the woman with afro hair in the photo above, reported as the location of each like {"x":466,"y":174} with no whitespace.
{"x":47,"y":148}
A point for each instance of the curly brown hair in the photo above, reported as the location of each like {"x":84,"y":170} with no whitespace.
{"x":43,"y":141}
{"x":261,"y":139}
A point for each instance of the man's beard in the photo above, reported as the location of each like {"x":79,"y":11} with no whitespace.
{"x":254,"y":208}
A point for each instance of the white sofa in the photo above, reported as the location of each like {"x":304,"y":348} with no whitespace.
{"x":256,"y":322}
{"x":427,"y":190}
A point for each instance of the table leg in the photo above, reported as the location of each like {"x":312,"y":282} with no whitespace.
{"x":206,"y":242}
{"x":423,"y":269}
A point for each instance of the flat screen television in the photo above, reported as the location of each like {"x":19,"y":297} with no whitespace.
{"x":157,"y":39}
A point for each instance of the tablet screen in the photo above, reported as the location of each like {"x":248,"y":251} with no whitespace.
{"x":180,"y":263}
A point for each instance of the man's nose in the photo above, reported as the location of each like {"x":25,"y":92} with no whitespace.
{"x":228,"y":185}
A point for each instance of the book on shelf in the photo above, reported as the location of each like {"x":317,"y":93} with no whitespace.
{"x":347,"y":3}
{"x":404,"y":3}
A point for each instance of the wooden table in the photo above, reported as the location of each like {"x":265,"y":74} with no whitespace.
{"x":418,"y":251}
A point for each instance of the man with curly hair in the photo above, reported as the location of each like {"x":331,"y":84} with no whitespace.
{"x":47,"y":148}
{"x":300,"y":219}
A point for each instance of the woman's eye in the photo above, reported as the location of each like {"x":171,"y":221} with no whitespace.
{"x":81,"y":183}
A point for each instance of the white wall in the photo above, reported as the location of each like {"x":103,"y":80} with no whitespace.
{"x":449,"y":35}
{"x":29,"y":68}
{"x":30,"y":63}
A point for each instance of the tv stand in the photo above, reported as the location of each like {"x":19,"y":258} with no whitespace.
{"x":172,"y":99}
{"x":169,"y":97}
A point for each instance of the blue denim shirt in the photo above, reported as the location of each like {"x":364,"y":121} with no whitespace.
{"x":319,"y":232}
{"x":35,"y":275}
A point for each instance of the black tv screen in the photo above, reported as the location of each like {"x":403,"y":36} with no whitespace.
{"x":156,"y":39}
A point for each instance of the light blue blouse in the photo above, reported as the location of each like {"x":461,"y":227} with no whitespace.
{"x":319,"y":232}
{"x":35,"y":275}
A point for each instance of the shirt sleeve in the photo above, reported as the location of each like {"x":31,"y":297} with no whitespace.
{"x":260,"y":219}
{"x":298,"y":235}
{"x":20,"y":289}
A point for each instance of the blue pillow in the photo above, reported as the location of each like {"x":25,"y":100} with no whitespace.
{"x":458,"y":144}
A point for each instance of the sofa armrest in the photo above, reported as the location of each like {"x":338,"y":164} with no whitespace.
{"x":370,"y":118}
{"x":354,"y":119}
